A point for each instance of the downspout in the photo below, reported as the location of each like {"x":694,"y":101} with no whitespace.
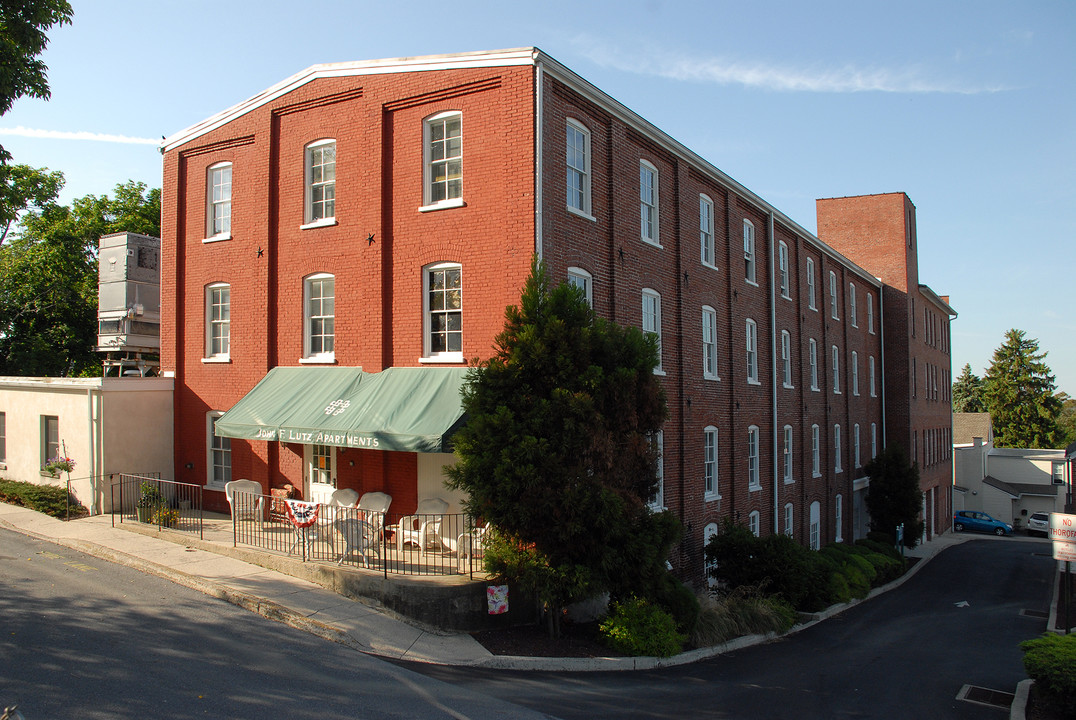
{"x":538,"y":130}
{"x":773,"y":372}
{"x":92,"y":441}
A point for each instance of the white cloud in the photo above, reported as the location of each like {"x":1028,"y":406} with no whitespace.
{"x":76,"y":135}
{"x":721,"y":71}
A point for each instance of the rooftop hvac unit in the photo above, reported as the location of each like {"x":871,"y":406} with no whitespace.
{"x":128,"y":296}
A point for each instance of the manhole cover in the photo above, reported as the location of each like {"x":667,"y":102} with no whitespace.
{"x":1036,"y":614}
{"x":985,"y":696}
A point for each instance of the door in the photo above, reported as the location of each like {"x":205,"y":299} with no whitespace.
{"x":320,"y":480}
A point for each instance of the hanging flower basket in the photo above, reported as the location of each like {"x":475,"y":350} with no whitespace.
{"x":57,"y":465}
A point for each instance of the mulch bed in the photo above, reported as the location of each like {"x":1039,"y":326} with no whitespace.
{"x":577,"y":640}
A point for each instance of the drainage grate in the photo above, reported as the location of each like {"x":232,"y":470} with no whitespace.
{"x":1035,"y":614}
{"x":985,"y":696}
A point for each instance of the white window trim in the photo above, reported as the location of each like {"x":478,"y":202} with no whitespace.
{"x":835,"y":360}
{"x":786,"y":454}
{"x":706,"y":229}
{"x":786,"y":359}
{"x":709,"y":315}
{"x":751,"y":332}
{"x":782,"y":267}
{"x":308,"y":208}
{"x":310,"y":358}
{"x":870,"y":313}
{"x":855,"y":373}
{"x":210,"y":483}
{"x":713,"y":493}
{"x":815,"y":542}
{"x":811,"y":304}
{"x":585,"y":211}
{"x":852,"y":305}
{"x":874,"y":440}
{"x":655,"y":296}
{"x":789,"y":519}
{"x":813,"y":353}
{"x":837,"y":448}
{"x":816,"y":452}
{"x":210,"y":356}
{"x":654,"y":205}
{"x":855,"y":446}
{"x":749,"y":254}
{"x":578,"y":276}
{"x":210,"y":236}
{"x":754,"y":523}
{"x":833,"y":296}
{"x":657,"y":503}
{"x":428,"y":204}
{"x":428,"y":356}
{"x":838,"y":513}
{"x":870,"y":368}
{"x":754,"y":473}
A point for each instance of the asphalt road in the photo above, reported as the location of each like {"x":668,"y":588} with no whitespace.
{"x":83,"y":638}
{"x":904,"y":654}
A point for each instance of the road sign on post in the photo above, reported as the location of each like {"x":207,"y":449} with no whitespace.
{"x":1063,"y":533}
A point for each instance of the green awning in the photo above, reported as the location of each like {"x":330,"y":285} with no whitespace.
{"x":405,"y":409}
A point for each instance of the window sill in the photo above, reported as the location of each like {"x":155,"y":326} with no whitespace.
{"x":320,"y":360}
{"x":754,"y":488}
{"x":652,"y":243}
{"x":751,"y":282}
{"x":224,"y":359}
{"x":582,"y":213}
{"x":324,"y":222}
{"x":443,"y":205}
{"x":753,"y":382}
{"x":659,"y":371}
{"x":217,"y":238}
{"x":788,"y":386}
{"x":442,"y":359}
{"x":711,"y":497}
{"x":786,"y":297}
{"x":816,"y":389}
{"x":712,"y":378}
{"x":711,"y":266}
{"x":790,"y":481}
{"x":816,"y":474}
{"x":3,"y":466}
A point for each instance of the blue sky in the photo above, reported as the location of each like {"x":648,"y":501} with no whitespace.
{"x":969,"y":107}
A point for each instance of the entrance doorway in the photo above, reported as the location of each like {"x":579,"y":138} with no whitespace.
{"x":320,"y":466}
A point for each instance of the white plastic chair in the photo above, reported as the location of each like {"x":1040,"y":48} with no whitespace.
{"x":362,"y":531}
{"x":470,"y":545}
{"x":424,"y":527}
{"x":249,"y":508}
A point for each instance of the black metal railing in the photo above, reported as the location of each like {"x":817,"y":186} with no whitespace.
{"x":147,"y":499}
{"x":393,"y":543}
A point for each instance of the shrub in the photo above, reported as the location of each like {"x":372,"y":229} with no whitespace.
{"x":49,"y":499}
{"x":743,"y":611}
{"x":882,"y":548}
{"x":679,"y":600}
{"x":637,"y":627}
{"x":1050,"y":661}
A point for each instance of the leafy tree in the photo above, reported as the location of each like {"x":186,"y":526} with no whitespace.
{"x":968,"y":392}
{"x":23,"y":24}
{"x":23,"y":187}
{"x":894,"y":496}
{"x":558,"y":453}
{"x":1018,"y":391}
{"x":48,"y":280}
{"x":1067,"y":419}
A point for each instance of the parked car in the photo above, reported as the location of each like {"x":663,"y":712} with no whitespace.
{"x":980,"y":522}
{"x":1039,"y":523}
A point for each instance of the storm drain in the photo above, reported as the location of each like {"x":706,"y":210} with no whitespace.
{"x":1035,"y":614}
{"x":985,"y":696}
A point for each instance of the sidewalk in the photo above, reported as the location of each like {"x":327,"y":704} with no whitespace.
{"x":211,"y":569}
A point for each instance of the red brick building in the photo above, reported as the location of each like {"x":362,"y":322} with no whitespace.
{"x":382,"y":214}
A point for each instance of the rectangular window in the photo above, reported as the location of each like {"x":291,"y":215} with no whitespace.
{"x":710,"y":461}
{"x":870,"y":375}
{"x":752,"y":459}
{"x":578,"y":161}
{"x":3,"y":438}
{"x":320,"y":181}
{"x":648,"y":202}
{"x":786,"y":358}
{"x":855,"y":445}
{"x":218,"y":321}
{"x":852,"y":305}
{"x":813,"y":355}
{"x":874,"y":441}
{"x":749,"y":251}
{"x":833,"y":295}
{"x":838,"y":515}
{"x":581,"y":279}
{"x":444,"y":159}
{"x":837,"y":448}
{"x":219,"y":201}
{"x":754,"y":522}
{"x":810,"y":285}
{"x":788,"y":519}
{"x":1058,"y":467}
{"x":836,"y":361}
{"x":50,"y":438}
{"x":709,"y":343}
{"x":816,"y":452}
{"x":657,"y":502}
{"x":220,"y":454}
{"x":652,"y":319}
{"x":870,"y":313}
{"x":855,"y":373}
{"x":782,"y":265}
{"x":444,"y":312}
{"x":320,"y":320}
{"x":752,"y":352}
{"x":786,"y":453}
{"x":706,"y":229}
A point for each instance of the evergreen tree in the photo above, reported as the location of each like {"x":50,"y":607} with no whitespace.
{"x":1018,"y":391}
{"x":968,"y":392}
{"x":894,"y":497}
{"x":48,"y":280}
{"x":558,"y":452}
